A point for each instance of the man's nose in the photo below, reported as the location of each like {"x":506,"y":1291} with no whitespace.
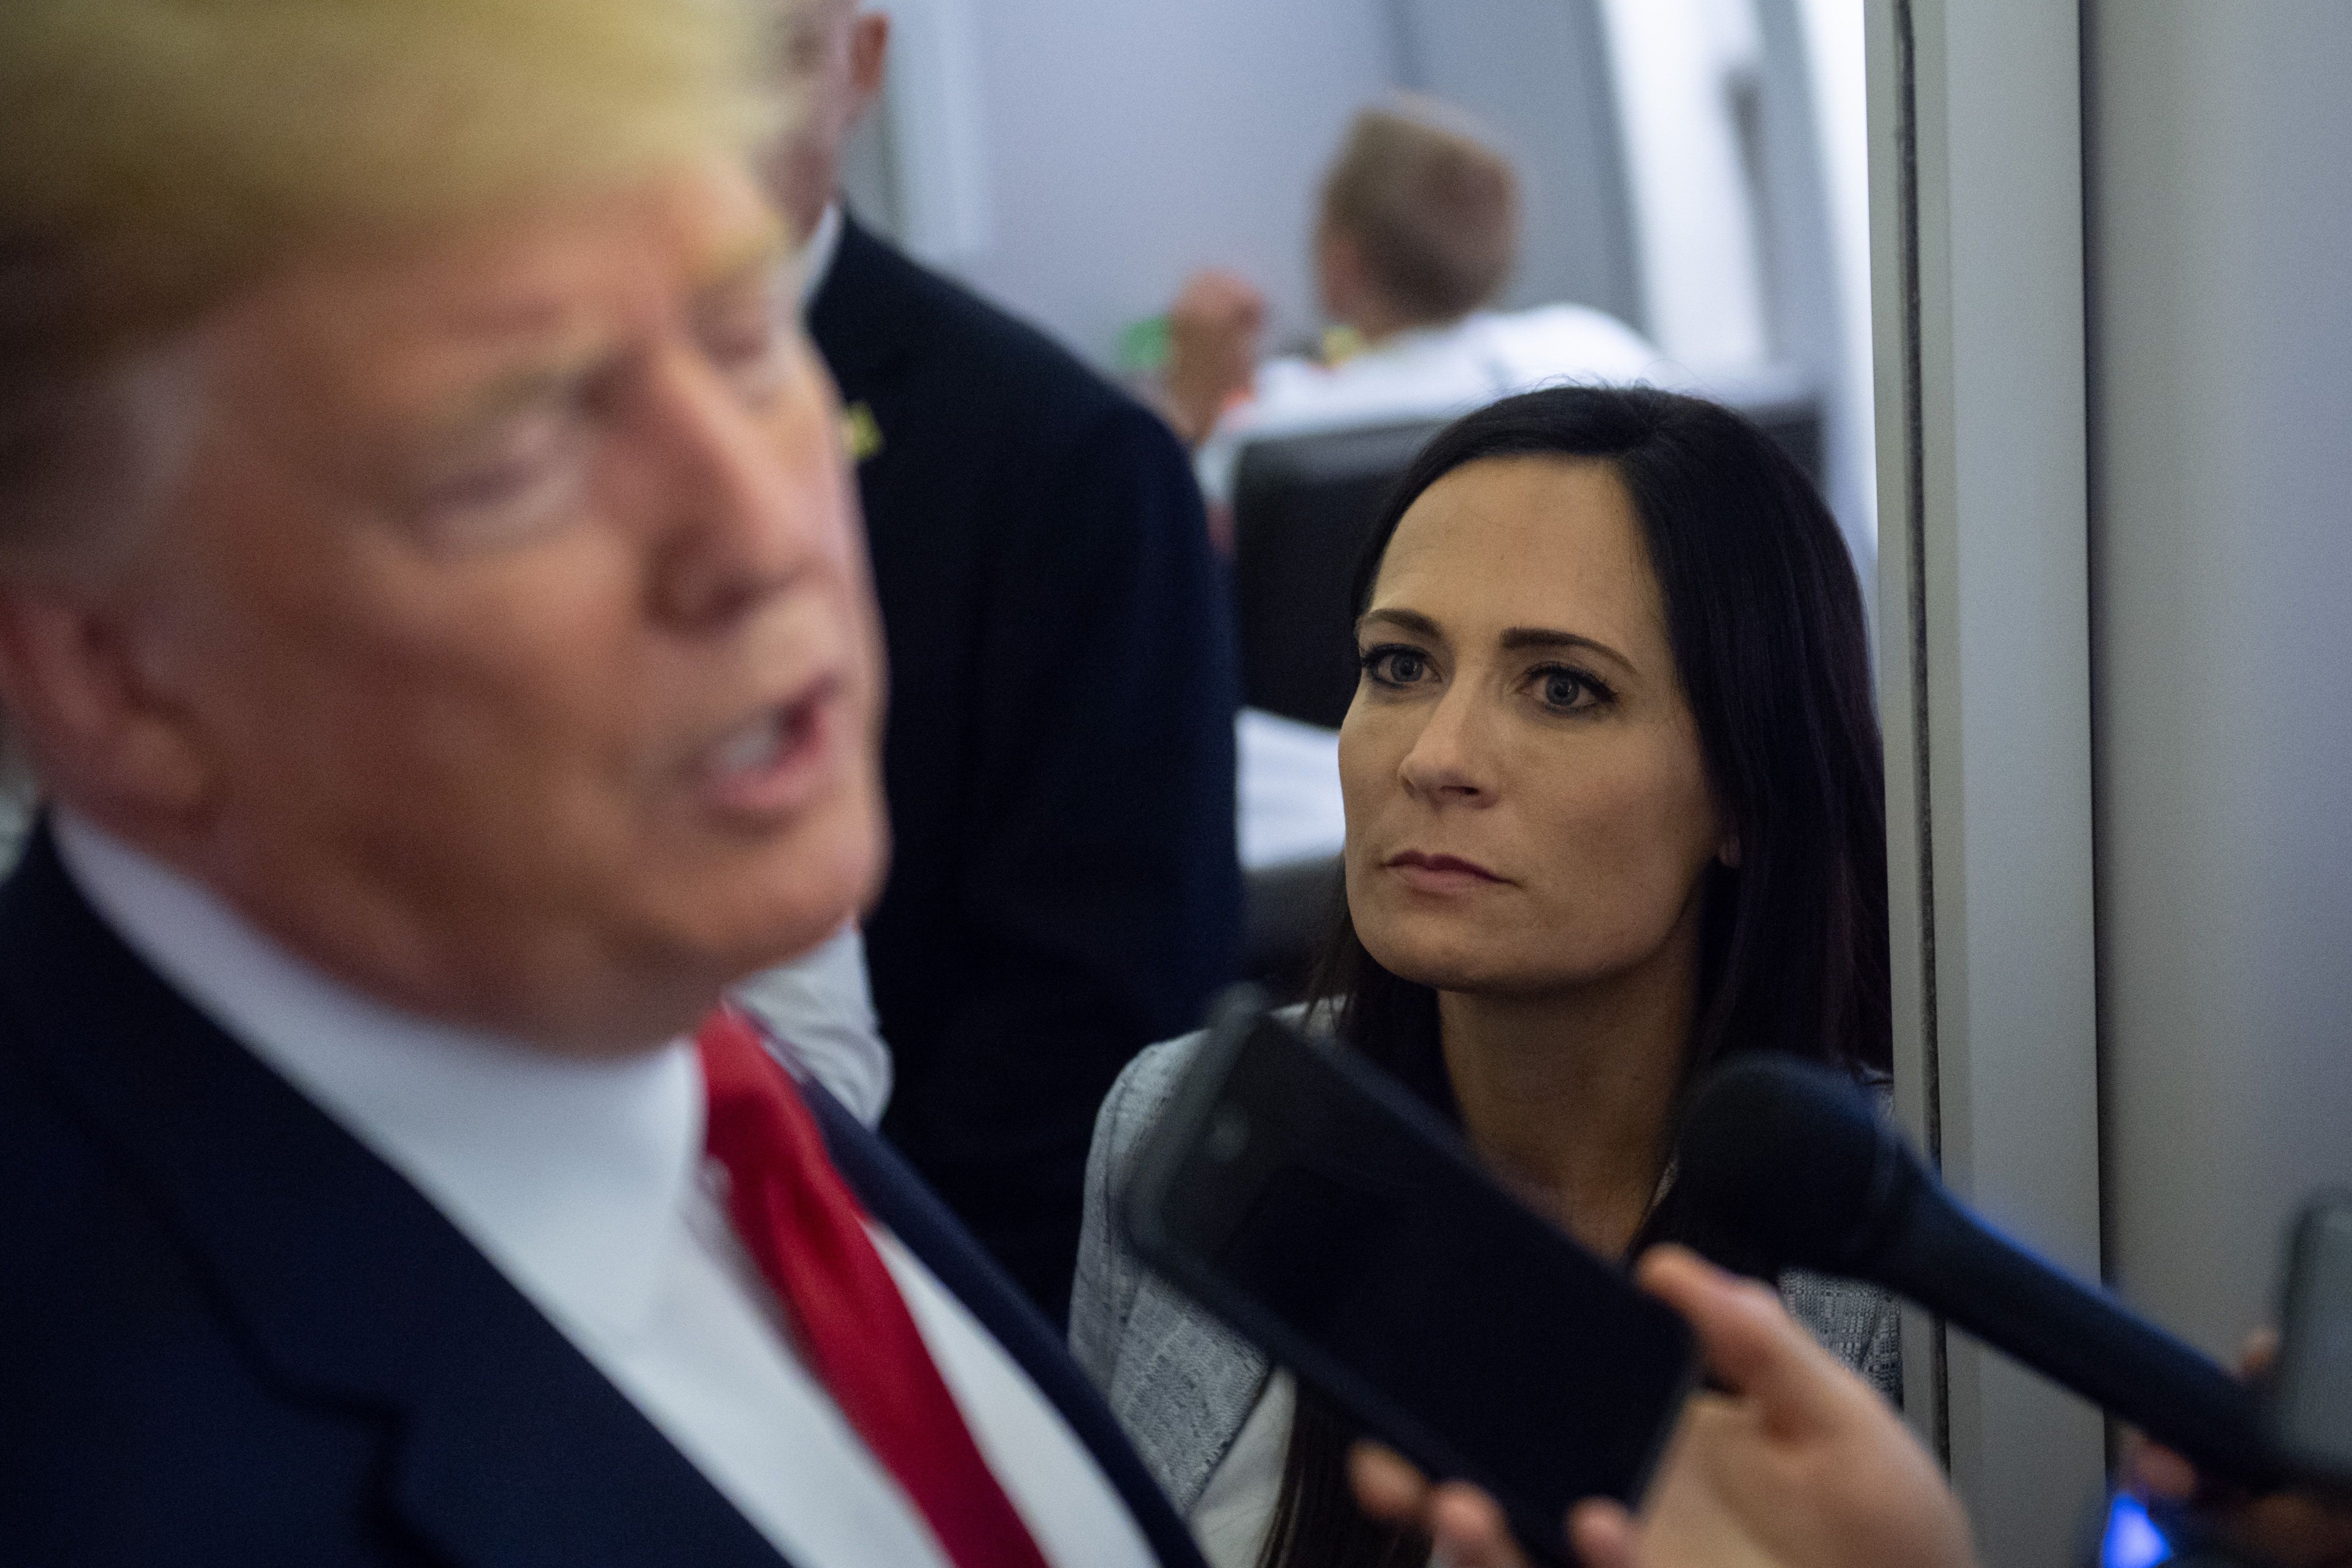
{"x":748,"y":495}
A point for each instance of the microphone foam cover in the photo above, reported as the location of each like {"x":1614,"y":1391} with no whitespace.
{"x":1785,"y":1162}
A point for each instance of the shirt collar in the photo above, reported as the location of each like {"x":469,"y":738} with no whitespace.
{"x":816,"y":260}
{"x":572,"y":1175}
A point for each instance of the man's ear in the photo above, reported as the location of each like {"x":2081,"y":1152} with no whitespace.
{"x":869,"y":58}
{"x":1339,"y":269}
{"x":98,"y":733}
{"x":1727,"y":851}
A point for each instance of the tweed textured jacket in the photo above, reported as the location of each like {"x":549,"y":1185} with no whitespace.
{"x":1182,"y":1384}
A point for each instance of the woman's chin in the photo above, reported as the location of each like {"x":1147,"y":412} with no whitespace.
{"x":1443,"y":961}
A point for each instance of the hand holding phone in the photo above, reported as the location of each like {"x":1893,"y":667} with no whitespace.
{"x":1789,"y":1461}
{"x":1313,"y":1203}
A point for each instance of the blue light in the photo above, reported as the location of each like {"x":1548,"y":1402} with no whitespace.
{"x":2132,"y":1540}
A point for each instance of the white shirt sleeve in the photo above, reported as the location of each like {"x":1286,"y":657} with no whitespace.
{"x":821,"y":1006}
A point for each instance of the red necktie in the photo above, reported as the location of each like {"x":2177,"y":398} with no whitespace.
{"x":804,"y":1229}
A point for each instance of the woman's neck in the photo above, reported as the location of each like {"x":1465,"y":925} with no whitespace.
{"x":1568,"y":1094}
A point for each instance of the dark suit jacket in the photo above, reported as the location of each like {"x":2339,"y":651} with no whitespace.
{"x":1060,"y":753}
{"x":229,"y":1334}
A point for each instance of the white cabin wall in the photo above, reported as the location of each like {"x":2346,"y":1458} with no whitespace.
{"x":1132,"y":141}
{"x":2221,"y":355}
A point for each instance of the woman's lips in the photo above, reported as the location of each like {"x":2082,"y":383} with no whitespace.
{"x":1441,"y":873}
{"x":775,"y":761}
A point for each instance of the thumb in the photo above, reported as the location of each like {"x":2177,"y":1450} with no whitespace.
{"x":1604,"y":1535}
{"x":1750,"y":1344}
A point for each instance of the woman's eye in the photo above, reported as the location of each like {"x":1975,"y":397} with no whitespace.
{"x":1396,"y":666}
{"x":1567,"y":691}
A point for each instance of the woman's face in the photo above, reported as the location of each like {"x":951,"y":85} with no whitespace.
{"x":1528,"y":806}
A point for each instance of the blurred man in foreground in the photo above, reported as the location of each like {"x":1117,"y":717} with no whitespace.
{"x":1059,"y":759}
{"x":432,"y":603}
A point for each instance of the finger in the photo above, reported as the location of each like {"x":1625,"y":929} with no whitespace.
{"x":2254,"y":1362}
{"x":1466,"y":1529}
{"x":2157,"y":1472}
{"x":1603,"y":1534}
{"x":1751,"y":1342}
{"x":1386,"y":1486}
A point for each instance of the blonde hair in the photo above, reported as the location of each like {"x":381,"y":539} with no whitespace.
{"x":1433,"y":208}
{"x":160,"y":154}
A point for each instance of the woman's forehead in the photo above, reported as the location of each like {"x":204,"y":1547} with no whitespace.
{"x":1524,"y":541}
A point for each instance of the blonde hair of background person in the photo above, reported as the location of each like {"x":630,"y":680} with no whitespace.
{"x":1417,"y":225}
{"x":1420,"y":220}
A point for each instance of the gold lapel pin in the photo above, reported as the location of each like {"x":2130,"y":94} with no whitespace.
{"x":860,"y":436}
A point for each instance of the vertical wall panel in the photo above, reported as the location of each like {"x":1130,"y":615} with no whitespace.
{"x":2221,"y":136}
{"x":1984,"y":622}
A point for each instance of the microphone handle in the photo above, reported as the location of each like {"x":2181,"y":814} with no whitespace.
{"x":2079,"y":1337}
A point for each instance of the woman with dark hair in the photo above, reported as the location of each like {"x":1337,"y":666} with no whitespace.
{"x":1614,"y":811}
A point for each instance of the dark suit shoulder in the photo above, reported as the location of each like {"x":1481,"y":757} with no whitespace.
{"x":138,"y":1424}
{"x":882,"y":315}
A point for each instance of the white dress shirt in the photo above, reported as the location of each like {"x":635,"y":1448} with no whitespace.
{"x":820,"y":1007}
{"x":815,"y":263}
{"x":1430,"y":372}
{"x":1234,"y":1512}
{"x":585,"y":1183}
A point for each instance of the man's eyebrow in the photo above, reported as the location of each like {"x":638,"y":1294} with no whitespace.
{"x":746,"y":264}
{"x":544,"y":382}
{"x":741,"y":265}
{"x":1518,"y":639}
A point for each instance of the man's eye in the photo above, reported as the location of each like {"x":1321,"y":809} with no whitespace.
{"x":751,"y":356}
{"x":531,"y":476}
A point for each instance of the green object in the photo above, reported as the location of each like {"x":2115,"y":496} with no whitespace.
{"x":1143,"y":347}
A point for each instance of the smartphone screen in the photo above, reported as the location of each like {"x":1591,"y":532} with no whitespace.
{"x":1326,"y":1215}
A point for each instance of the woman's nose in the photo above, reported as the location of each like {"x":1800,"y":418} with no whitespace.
{"x":1447,"y":764}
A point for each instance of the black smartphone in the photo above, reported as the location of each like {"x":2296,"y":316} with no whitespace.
{"x":1310,"y":1202}
{"x":2310,"y":1391}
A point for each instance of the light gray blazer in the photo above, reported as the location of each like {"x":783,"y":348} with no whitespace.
{"x":1181,"y":1384}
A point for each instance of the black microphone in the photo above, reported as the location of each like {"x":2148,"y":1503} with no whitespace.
{"x":1784,"y":1163}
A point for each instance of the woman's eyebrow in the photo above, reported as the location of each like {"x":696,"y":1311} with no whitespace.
{"x":1518,"y":639}
{"x":1408,"y":620}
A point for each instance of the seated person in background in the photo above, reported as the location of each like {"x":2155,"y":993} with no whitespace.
{"x":1590,"y":850}
{"x":1417,"y":233}
{"x":432,"y":600}
{"x":1059,"y":751}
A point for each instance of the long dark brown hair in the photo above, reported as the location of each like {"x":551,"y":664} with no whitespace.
{"x":1764,"y":618}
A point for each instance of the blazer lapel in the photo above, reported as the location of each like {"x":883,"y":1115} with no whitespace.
{"x":506,"y":1446}
{"x":896,"y":1196}
{"x":1185,"y":1384}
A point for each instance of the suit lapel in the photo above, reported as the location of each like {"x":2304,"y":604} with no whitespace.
{"x":507,"y":1446}
{"x":894,"y":1195}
